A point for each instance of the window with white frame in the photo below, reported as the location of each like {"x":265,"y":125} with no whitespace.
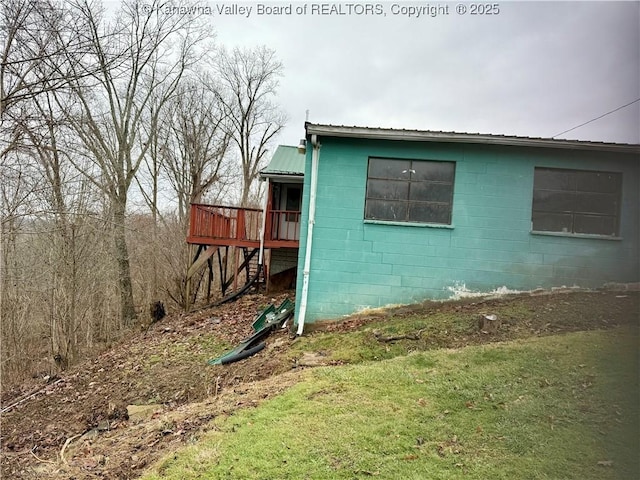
{"x":576,"y":201}
{"x":415,"y":191}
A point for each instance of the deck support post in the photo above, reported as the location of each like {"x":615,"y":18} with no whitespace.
{"x":210,"y":278}
{"x":236,"y":259}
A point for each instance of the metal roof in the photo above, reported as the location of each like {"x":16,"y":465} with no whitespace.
{"x":457,"y":137}
{"x":286,"y":160}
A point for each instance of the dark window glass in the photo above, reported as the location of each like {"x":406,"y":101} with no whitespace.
{"x":386,"y":210}
{"x":552,"y":222}
{"x":599,"y":203}
{"x":553,"y":201}
{"x":388,"y":189}
{"x":598,"y":182}
{"x":383,"y":168}
{"x":431,"y":192}
{"x":409,"y":190}
{"x":432,"y":171}
{"x":430,"y":212}
{"x":554,"y":179}
{"x":595,"y":224}
{"x":576,"y":201}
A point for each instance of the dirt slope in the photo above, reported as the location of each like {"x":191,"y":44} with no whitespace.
{"x":77,"y":427}
{"x":165,"y":365}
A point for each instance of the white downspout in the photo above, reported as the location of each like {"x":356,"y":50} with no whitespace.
{"x":315,"y":157}
{"x":264,"y":223}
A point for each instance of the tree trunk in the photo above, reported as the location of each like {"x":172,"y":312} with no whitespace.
{"x":127,"y":308}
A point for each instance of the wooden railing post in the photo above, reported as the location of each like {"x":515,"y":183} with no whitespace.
{"x":192,"y":220}
{"x":241,"y":231}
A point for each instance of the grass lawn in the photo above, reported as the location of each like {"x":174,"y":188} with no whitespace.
{"x":555,"y":407}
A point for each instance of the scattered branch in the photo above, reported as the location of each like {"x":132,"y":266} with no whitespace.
{"x":66,"y":444}
{"x":41,"y":460}
{"x":394,"y":338}
{"x":29,"y":396}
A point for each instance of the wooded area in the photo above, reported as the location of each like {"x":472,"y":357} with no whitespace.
{"x":112,"y":123}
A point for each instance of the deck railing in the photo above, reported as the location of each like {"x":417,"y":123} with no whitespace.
{"x":285,"y":225}
{"x":223,"y":225}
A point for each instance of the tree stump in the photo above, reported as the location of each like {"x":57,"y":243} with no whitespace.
{"x":156,"y":311}
{"x":488,"y":324}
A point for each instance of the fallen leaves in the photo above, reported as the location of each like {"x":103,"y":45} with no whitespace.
{"x":98,"y":391}
{"x":449,"y":447}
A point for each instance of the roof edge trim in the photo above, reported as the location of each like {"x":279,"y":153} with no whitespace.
{"x":454,"y":137}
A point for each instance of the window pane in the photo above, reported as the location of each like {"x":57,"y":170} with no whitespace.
{"x":553,"y":201}
{"x":551,"y":222}
{"x":595,"y":224}
{"x":430,"y":213}
{"x":433,"y":171}
{"x":596,"y":203}
{"x":430,"y":192}
{"x":554,"y":179}
{"x":600,"y":182}
{"x":386,"y":210}
{"x":392,"y":169}
{"x":387,"y":189}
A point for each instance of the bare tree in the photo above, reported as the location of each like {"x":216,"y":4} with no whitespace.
{"x":26,"y":30}
{"x":90,"y":105}
{"x":187,"y":151}
{"x":148,"y":179}
{"x":50,"y":281}
{"x":248,"y":83}
{"x":65,"y":203}
{"x":19,"y":182}
{"x":196,"y":148}
{"x":39,"y":46}
{"x":141,"y":59}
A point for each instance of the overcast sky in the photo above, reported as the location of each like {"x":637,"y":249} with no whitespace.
{"x":533,"y":69}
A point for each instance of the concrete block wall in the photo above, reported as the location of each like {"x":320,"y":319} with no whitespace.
{"x":283,"y":259}
{"x":357,"y":264}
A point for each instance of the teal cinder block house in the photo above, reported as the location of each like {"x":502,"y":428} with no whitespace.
{"x":398,"y":216}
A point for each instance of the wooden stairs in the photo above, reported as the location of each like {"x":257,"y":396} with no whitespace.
{"x":234,"y":270}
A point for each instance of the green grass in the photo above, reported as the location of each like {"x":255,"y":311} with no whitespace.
{"x":434,"y":329}
{"x":545,"y":408}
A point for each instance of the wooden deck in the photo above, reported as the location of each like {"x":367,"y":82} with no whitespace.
{"x":240,"y":227}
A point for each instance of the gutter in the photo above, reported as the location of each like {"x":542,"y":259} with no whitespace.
{"x":315,"y":158}
{"x":283,"y":177}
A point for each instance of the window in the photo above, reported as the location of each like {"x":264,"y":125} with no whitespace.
{"x":409,"y":191}
{"x":576,"y":201}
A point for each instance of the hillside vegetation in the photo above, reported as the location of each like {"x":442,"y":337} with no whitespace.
{"x":413,"y":388}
